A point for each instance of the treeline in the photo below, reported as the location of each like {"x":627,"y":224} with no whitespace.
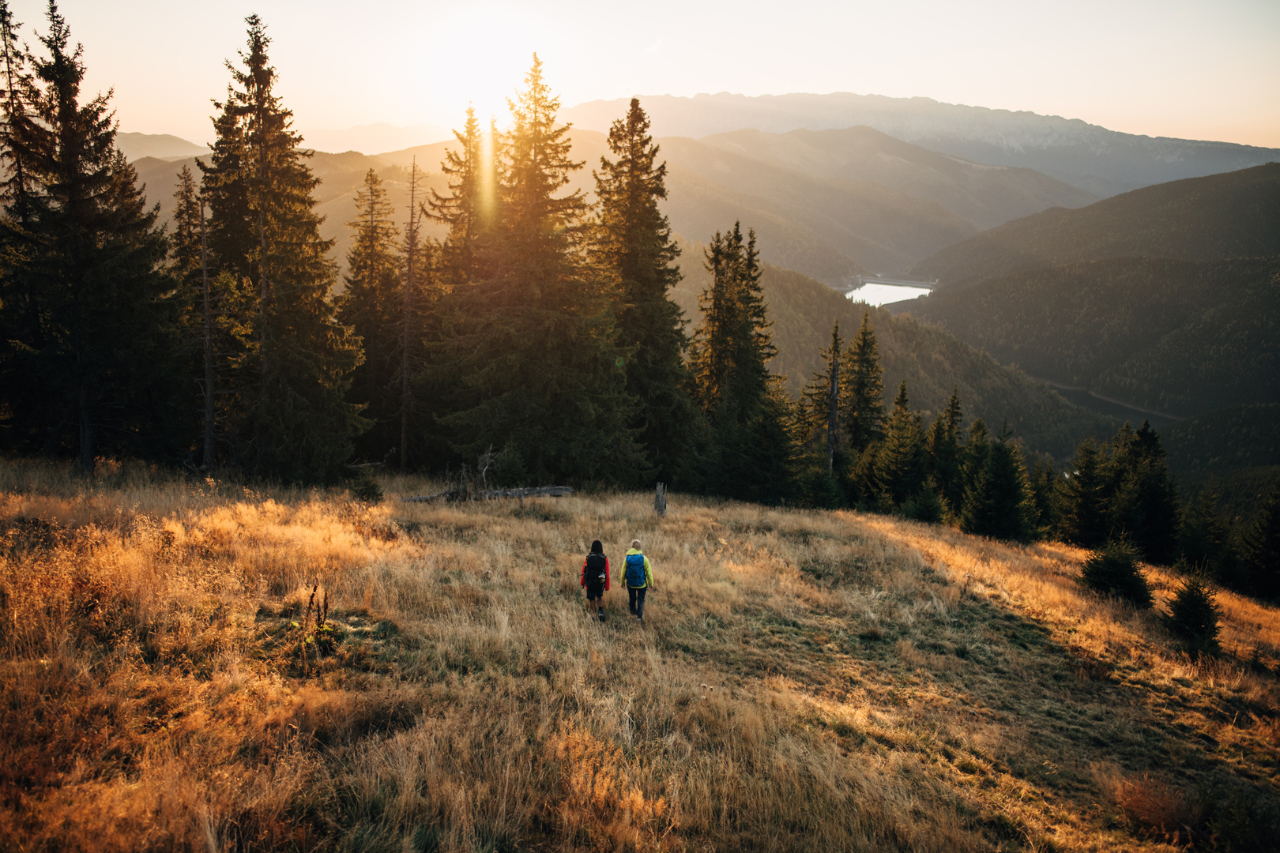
{"x":538,"y":333}
{"x":852,"y":452}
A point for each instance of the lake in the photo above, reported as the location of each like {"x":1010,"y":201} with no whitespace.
{"x":874,"y":293}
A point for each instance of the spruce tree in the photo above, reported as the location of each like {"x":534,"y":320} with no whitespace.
{"x":899,"y":463}
{"x":470,"y":207}
{"x":1084,"y":518}
{"x":631,"y":242}
{"x":1000,"y":502}
{"x":1262,"y":548}
{"x":530,"y":354}
{"x":371,"y":307}
{"x":822,"y":400}
{"x":1144,"y":502}
{"x":942,"y":454}
{"x":98,"y":322}
{"x":729,"y":358}
{"x":864,"y":405}
{"x":296,"y":423}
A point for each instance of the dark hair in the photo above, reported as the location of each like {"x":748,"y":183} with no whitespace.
{"x":596,"y":547}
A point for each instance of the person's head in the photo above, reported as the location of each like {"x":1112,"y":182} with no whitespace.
{"x":635,"y":543}
{"x":596,"y":547}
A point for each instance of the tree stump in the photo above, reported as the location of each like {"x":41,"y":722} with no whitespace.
{"x":660,"y":500}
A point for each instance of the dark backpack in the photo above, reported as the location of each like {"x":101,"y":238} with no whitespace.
{"x":596,"y":567}
{"x":635,"y":570}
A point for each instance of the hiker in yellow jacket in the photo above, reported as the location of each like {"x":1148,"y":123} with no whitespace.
{"x":639,"y":577}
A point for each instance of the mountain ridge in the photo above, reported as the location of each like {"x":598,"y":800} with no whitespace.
{"x":1090,"y":157}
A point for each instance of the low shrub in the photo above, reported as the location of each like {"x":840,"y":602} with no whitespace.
{"x":1193,"y":616}
{"x":1113,"y":570}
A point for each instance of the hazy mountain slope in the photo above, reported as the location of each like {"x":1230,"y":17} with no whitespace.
{"x":987,"y":196}
{"x":1178,"y":337}
{"x":1097,"y":160}
{"x":135,"y":146}
{"x":1232,"y":215}
{"x":931,"y":360}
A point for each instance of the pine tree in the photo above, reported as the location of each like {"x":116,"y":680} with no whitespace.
{"x":371,"y":307}
{"x":632,"y":243}
{"x":864,"y":412}
{"x":1144,"y":503}
{"x":1204,"y":542}
{"x":421,"y":290}
{"x":942,"y":454}
{"x":729,"y":359}
{"x":823,"y":398}
{"x":87,"y":266}
{"x":531,"y":352}
{"x":20,"y":322}
{"x":264,"y":229}
{"x":1262,"y":548}
{"x":470,"y":207}
{"x":1084,"y":516}
{"x":1000,"y":502}
{"x":899,"y":464}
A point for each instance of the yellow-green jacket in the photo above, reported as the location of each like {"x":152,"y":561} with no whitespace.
{"x":648,"y":570}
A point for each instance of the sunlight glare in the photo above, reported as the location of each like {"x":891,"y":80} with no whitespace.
{"x":481,"y":53}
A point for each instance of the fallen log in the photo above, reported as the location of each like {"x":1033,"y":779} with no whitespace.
{"x":493,"y":494}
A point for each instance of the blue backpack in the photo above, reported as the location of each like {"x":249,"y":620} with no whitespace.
{"x":635,"y":570}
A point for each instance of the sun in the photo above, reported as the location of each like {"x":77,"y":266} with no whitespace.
{"x":479,"y":56}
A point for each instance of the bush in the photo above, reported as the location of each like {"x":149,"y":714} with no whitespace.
{"x":1113,"y":570}
{"x":1193,"y":616}
{"x":365,"y":488}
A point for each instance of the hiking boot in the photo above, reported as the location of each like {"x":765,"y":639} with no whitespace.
{"x":601,"y":614}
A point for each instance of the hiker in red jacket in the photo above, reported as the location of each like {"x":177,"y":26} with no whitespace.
{"x":595,"y":577}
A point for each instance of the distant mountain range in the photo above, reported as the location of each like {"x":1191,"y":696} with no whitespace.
{"x":830,"y":204}
{"x":162,"y":146}
{"x":1233,"y":215}
{"x":1100,"y":161}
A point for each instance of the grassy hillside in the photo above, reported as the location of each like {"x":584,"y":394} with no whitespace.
{"x":1167,"y":336}
{"x":932,"y":360}
{"x":805,"y":680}
{"x":987,"y":196}
{"x":1232,"y":215}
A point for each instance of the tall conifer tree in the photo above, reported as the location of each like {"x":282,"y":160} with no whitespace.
{"x":87,"y":265}
{"x":468,"y":210}
{"x":531,"y":351}
{"x":371,"y":307}
{"x":632,"y":244}
{"x":864,"y":412}
{"x":297,"y":424}
{"x":899,"y":463}
{"x":729,"y":358}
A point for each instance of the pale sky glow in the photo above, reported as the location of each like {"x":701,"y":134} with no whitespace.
{"x":1186,"y":68}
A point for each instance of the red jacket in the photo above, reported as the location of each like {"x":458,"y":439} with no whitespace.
{"x":582,"y":581}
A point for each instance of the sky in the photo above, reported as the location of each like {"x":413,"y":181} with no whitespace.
{"x":1194,"y":69}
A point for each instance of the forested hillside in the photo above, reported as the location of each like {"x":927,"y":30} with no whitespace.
{"x":1232,"y":215}
{"x":1176,"y":337}
{"x":930,"y":360}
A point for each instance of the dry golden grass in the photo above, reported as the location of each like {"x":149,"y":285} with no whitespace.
{"x":804,"y":681}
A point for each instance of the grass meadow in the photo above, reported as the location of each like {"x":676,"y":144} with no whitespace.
{"x":197,"y":665}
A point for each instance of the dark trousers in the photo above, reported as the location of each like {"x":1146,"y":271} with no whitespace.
{"x":635,"y":600}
